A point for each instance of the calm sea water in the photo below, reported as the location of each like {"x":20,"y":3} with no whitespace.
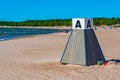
{"x":10,"y":33}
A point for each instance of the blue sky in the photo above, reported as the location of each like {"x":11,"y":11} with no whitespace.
{"x":21,"y":10}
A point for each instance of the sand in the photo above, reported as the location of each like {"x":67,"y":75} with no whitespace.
{"x":37,"y":58}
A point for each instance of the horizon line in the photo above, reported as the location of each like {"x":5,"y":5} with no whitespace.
{"x":52,"y":19}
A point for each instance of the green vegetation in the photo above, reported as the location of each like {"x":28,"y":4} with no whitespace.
{"x":60,"y":22}
{"x":106,"y":21}
{"x":52,"y":22}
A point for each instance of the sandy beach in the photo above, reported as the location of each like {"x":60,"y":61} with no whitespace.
{"x":37,"y":58}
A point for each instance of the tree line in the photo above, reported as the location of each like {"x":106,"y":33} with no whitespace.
{"x":106,"y":21}
{"x":52,"y":22}
{"x":60,"y":22}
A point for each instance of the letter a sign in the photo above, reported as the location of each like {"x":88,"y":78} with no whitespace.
{"x":78,"y":24}
{"x":82,"y":23}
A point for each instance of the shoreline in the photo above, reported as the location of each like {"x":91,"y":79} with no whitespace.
{"x":23,"y":32}
{"x":51,"y":27}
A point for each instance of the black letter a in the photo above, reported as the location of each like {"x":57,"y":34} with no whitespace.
{"x":88,"y":24}
{"x":78,"y":24}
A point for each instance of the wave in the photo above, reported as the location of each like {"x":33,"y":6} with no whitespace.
{"x":10,"y":33}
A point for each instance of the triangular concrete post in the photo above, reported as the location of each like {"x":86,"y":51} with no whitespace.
{"x":82,"y":47}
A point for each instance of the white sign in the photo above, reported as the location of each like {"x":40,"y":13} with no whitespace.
{"x":82,"y":23}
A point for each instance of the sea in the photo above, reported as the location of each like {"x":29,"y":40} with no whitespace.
{"x":11,"y":33}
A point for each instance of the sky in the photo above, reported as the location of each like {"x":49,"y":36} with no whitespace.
{"x":22,"y":10}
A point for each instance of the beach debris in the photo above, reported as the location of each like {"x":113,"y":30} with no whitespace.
{"x":100,"y":62}
{"x":105,"y":63}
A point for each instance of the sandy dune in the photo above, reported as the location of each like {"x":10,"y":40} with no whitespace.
{"x":37,"y":58}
